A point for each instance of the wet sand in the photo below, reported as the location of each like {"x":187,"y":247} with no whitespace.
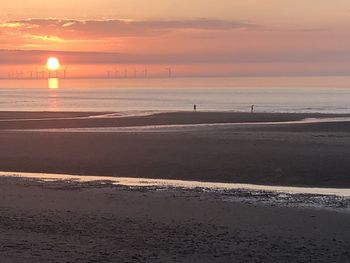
{"x":65,"y":222}
{"x":16,"y":115}
{"x":100,"y":222}
{"x":81,"y":120}
{"x":310,"y":154}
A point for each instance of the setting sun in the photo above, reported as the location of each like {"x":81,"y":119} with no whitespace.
{"x":53,"y":64}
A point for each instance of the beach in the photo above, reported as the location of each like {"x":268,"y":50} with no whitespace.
{"x":66,"y":222}
{"x":97,"y":221}
{"x":299,"y":154}
{"x":174,"y":131}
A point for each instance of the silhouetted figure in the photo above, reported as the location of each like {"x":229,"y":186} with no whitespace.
{"x":194,"y":107}
{"x":252,"y":109}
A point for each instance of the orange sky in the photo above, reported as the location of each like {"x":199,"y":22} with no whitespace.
{"x":205,"y":38}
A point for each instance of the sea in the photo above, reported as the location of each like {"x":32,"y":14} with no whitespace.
{"x":287,"y":94}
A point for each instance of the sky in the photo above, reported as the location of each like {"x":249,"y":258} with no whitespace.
{"x":193,"y":37}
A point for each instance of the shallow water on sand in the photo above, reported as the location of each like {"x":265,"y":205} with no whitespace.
{"x":327,"y":198}
{"x":168,"y":127}
{"x":180,"y":183}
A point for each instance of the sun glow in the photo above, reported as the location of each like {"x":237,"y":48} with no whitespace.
{"x":53,"y":64}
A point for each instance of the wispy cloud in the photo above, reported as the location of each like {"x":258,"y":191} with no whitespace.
{"x":93,"y":29}
{"x":37,"y":56}
{"x":11,"y":25}
{"x":43,"y":38}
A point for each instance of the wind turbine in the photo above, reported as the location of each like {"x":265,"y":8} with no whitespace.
{"x":43,"y":73}
{"x":125,"y":73}
{"x":108,"y":74}
{"x":116,"y":73}
{"x":20,"y":73}
{"x":65,"y":72}
{"x":146,"y":72}
{"x":169,"y":71}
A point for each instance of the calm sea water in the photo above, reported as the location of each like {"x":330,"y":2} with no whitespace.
{"x":215,"y":94}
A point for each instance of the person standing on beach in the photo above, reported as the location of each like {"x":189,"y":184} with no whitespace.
{"x":252,"y":108}
{"x":194,"y":107}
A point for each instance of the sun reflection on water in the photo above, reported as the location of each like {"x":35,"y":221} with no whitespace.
{"x":53,"y":83}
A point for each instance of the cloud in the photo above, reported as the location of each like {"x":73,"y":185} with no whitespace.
{"x":71,"y":29}
{"x":43,"y":38}
{"x":39,"y":56}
